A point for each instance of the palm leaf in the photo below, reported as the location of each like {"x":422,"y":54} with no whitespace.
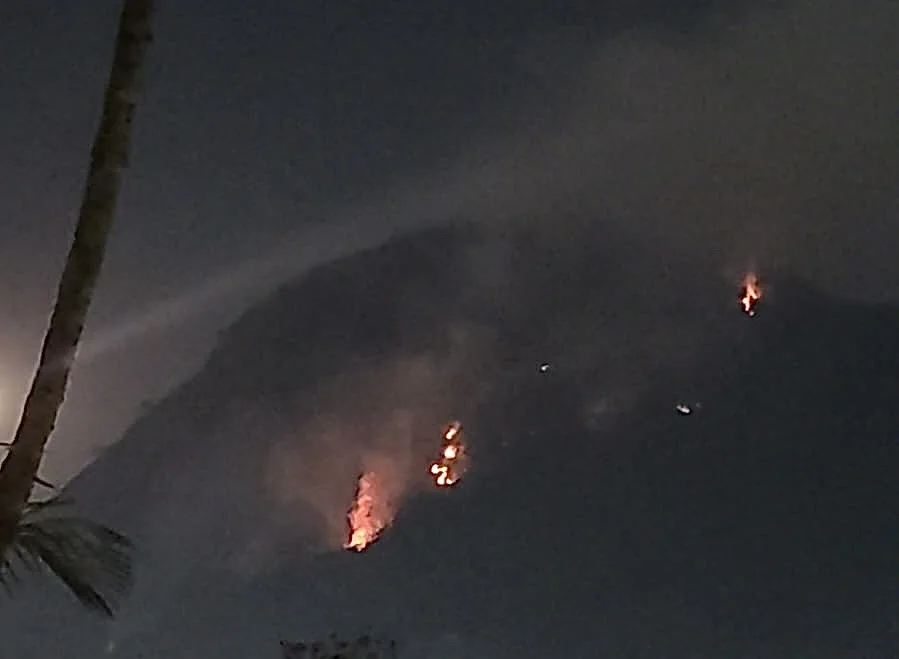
{"x":93,"y":561}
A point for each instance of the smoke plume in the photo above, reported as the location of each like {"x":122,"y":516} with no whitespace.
{"x":768,"y":139}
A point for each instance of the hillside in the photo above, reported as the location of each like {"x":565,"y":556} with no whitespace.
{"x":594,"y":514}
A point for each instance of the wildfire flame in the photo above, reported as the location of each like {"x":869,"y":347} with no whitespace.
{"x":365,"y":524}
{"x":448,"y":468}
{"x":751,"y":294}
{"x":373,"y":507}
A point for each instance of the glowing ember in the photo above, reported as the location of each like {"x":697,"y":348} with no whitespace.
{"x":449,"y":467}
{"x":751,"y":293}
{"x":365,"y":524}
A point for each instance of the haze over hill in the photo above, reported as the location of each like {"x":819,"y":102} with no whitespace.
{"x":595,"y":520}
{"x":697,"y":126}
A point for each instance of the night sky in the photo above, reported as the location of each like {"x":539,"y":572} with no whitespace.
{"x":581,"y":183}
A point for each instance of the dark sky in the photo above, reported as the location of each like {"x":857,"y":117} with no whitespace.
{"x":697,"y":139}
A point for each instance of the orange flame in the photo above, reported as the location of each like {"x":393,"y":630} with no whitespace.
{"x":449,"y":467}
{"x":365,"y":524}
{"x":751,"y":294}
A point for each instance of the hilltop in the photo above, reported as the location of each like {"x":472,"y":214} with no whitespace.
{"x":593,"y":509}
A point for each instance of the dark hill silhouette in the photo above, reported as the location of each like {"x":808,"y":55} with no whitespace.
{"x":594,"y":515}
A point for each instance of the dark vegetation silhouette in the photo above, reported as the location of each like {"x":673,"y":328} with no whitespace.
{"x":91,"y":560}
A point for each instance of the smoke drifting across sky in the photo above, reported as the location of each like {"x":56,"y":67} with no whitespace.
{"x":764,"y":138}
{"x":769,"y":138}
{"x":760,"y":136}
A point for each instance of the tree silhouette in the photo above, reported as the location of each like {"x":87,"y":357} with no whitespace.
{"x":75,"y":550}
{"x":364,"y":646}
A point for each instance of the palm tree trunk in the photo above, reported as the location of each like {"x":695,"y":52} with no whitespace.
{"x":109,"y":157}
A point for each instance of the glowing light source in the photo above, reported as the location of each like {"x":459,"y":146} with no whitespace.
{"x":751,"y":294}
{"x":448,"y":468}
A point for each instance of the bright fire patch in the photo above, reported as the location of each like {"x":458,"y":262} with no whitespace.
{"x":365,"y":524}
{"x":448,"y":468}
{"x":750,"y":295}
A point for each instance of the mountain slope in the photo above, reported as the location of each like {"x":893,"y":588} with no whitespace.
{"x":594,"y":515}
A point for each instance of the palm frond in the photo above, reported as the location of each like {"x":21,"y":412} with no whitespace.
{"x":93,"y":561}
{"x":47,"y":484}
